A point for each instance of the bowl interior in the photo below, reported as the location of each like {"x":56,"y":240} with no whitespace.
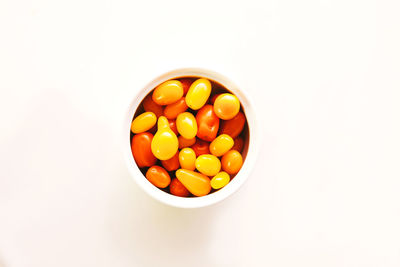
{"x":220,"y":84}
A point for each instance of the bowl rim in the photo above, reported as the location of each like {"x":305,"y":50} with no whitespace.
{"x":240,"y":178}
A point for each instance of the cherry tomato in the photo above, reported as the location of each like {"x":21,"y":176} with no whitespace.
{"x":183,"y":142}
{"x":165,"y":143}
{"x":171,"y":164}
{"x":198,"y":93}
{"x":208,"y":164}
{"x":172,"y":125}
{"x":172,"y":111}
{"x":187,"y":159}
{"x":226,"y":106}
{"x":238,"y":144}
{"x":234,"y":126}
{"x":178,"y":189}
{"x":201,"y":147}
{"x":158,"y":176}
{"x":207,"y":123}
{"x":222,"y":144}
{"x":143,"y":122}
{"x":141,"y":150}
{"x":168,"y":92}
{"x":187,"y":125}
{"x":232,"y":162}
{"x":186,"y":83}
{"x":150,"y":106}
{"x":220,"y":180}
{"x":198,"y":184}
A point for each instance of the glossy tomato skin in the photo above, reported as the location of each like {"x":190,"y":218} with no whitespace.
{"x":168,"y":92}
{"x":158,"y":176}
{"x":171,"y":164}
{"x":201,"y":147}
{"x":178,"y":189}
{"x":183,"y":142}
{"x":172,"y":111}
{"x":232,"y":162}
{"x":226,"y":106}
{"x":141,"y":150}
{"x":207,"y":123}
{"x":234,"y":126}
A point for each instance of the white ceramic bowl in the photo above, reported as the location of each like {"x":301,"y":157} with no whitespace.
{"x":251,"y":146}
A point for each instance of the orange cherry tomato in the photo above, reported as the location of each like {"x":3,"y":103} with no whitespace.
{"x":232,"y":162}
{"x":172,"y":111}
{"x":172,"y":125}
{"x":226,"y":106}
{"x":171,"y":164}
{"x":207,"y":123}
{"x":183,"y":142}
{"x":234,"y":126}
{"x":150,"y":105}
{"x":201,"y":147}
{"x":178,"y":189}
{"x":141,"y":150}
{"x":238,"y":144}
{"x":158,"y":176}
{"x":212,"y":99}
{"x":186,"y":83}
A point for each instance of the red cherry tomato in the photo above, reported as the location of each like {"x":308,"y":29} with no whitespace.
{"x":172,"y":111}
{"x":150,"y":105}
{"x":141,"y":150}
{"x":207,"y":123}
{"x":172,"y":125}
{"x":178,"y":189}
{"x":238,"y":144}
{"x":234,"y":126}
{"x":158,"y":176}
{"x":171,"y":164}
{"x":186,"y":83}
{"x":201,"y":147}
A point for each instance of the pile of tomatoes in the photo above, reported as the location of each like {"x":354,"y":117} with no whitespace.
{"x":190,"y":129}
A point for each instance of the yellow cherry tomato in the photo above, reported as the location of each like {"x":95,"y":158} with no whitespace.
{"x":165,"y":143}
{"x":143,"y":122}
{"x":232,"y":161}
{"x":168,"y":92}
{"x":198,"y":93}
{"x":183,"y":142}
{"x":187,"y":159}
{"x":220,"y":180}
{"x":208,"y":164}
{"x":197,"y":183}
{"x":220,"y":145}
{"x":226,"y":106}
{"x":187,"y":125}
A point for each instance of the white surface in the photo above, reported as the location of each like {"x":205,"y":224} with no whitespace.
{"x":325,"y":77}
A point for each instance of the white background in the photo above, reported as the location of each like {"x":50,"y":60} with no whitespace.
{"x":324,"y":76}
